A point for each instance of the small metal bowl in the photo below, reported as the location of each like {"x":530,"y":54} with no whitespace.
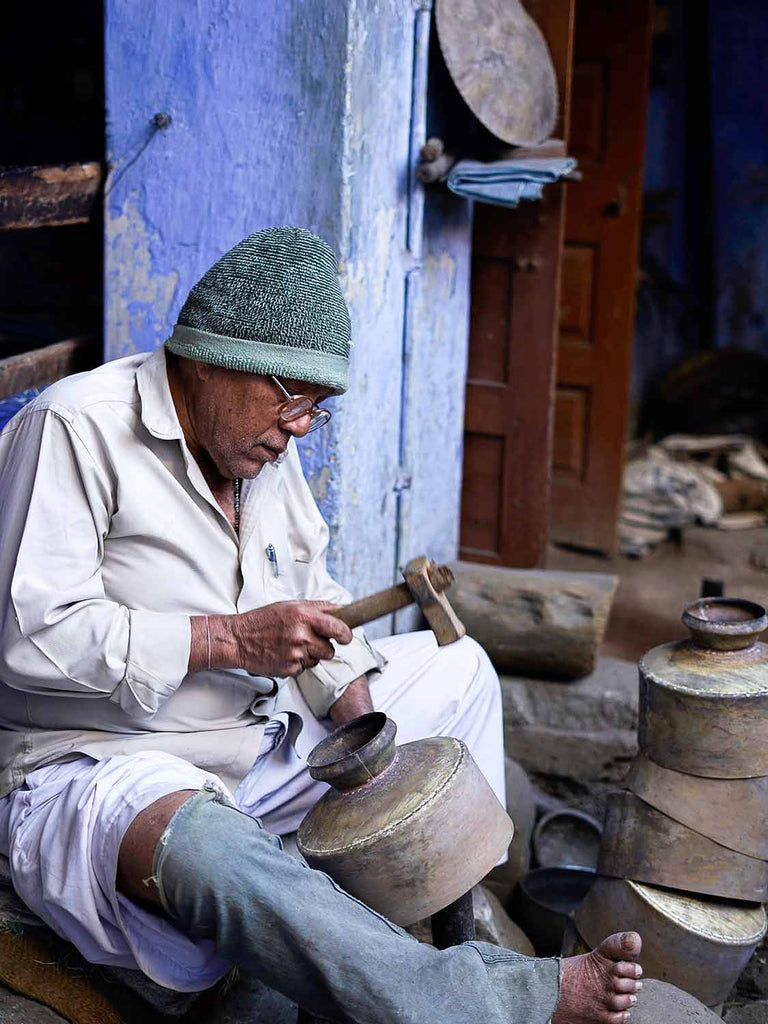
{"x":543,"y":901}
{"x":567,"y":838}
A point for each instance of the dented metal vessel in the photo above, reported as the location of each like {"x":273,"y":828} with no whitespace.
{"x":405,"y":829}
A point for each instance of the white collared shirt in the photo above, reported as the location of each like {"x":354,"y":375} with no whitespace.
{"x":110,"y":539}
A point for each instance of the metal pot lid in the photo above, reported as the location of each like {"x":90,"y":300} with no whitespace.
{"x":729,"y":923}
{"x":501,"y":65}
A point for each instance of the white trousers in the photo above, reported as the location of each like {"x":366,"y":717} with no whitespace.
{"x":62,"y":830}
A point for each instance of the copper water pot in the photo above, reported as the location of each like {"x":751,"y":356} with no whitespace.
{"x":407,"y":829}
{"x":704,"y":701}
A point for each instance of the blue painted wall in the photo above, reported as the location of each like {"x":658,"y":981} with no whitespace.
{"x":296,"y":112}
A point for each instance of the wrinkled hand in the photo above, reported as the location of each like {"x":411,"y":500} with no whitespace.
{"x":285,"y":638}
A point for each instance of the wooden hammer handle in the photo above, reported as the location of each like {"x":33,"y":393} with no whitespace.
{"x":385,"y":602}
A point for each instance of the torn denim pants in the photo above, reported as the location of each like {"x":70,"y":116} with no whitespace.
{"x":222,"y":876}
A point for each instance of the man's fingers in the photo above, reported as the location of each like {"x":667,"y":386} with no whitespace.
{"x":320,"y":651}
{"x":327,"y":626}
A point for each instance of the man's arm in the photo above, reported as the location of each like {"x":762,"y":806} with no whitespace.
{"x":59,"y":633}
{"x":280,"y":639}
{"x":276,"y":640}
{"x":356,"y":700}
{"x":324,"y":685}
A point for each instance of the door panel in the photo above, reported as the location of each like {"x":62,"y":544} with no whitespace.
{"x":596,"y":317}
{"x":512,"y":351}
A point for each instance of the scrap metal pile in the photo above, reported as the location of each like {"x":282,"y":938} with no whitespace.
{"x":682,"y":480}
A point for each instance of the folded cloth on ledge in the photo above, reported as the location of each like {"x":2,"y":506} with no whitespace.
{"x":506,"y":182}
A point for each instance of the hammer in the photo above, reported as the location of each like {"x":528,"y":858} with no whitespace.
{"x":425,"y":584}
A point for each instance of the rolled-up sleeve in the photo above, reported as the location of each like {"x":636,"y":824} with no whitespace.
{"x":323,"y":685}
{"x":59,"y":633}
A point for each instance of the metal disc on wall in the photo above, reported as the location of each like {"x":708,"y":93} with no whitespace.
{"x":502,"y":67}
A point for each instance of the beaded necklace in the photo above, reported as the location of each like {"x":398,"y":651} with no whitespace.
{"x":237,"y":483}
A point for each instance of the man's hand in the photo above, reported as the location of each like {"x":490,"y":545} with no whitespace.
{"x":277,"y":640}
{"x":355,"y":701}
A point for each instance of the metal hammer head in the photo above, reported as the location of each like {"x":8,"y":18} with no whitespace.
{"x":420,"y":575}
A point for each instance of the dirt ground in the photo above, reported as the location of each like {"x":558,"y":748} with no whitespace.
{"x":653,"y":590}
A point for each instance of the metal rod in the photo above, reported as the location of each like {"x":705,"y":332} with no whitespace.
{"x":455,"y":923}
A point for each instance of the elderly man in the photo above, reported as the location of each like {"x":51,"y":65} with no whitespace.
{"x":167,"y":656}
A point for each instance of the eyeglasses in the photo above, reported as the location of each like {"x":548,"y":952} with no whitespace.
{"x":297,"y":406}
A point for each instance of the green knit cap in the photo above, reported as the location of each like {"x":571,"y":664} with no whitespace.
{"x":271,"y":305}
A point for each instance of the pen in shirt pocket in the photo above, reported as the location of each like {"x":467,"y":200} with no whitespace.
{"x":272,"y":557}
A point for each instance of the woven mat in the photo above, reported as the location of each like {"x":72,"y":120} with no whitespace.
{"x":26,"y":966}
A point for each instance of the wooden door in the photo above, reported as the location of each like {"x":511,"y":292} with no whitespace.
{"x":599,"y":268}
{"x":512,"y":349}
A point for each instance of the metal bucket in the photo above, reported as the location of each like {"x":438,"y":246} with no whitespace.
{"x":567,"y":838}
{"x":543,"y":902}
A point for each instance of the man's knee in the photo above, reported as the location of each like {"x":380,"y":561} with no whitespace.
{"x":474,"y":666}
{"x":137,"y":850}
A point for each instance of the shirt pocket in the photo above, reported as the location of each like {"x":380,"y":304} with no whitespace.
{"x":286,"y":571}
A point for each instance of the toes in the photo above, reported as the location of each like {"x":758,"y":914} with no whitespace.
{"x":621,"y":946}
{"x":627,"y":985}
{"x":622,"y":1017}
{"x":625,"y":970}
{"x":621,"y":1002}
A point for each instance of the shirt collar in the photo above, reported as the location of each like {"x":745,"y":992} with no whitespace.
{"x":158,"y":413}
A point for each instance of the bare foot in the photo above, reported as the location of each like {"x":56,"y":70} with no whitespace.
{"x":600,"y":987}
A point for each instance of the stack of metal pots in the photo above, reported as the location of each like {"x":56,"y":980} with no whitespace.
{"x":684,"y":856}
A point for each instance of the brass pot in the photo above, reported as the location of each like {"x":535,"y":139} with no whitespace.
{"x":701,"y":945}
{"x":646,"y":845}
{"x":408,"y":829}
{"x":704,"y":701}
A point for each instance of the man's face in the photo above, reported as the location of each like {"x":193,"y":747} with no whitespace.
{"x":236,"y":421}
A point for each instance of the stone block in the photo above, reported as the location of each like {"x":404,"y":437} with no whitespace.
{"x":575,"y":740}
{"x":661,"y":1003}
{"x":749,"y":1013}
{"x":533,"y":622}
{"x":15,"y":1009}
{"x":493,"y":923}
{"x":605,"y":699}
{"x":584,"y":757}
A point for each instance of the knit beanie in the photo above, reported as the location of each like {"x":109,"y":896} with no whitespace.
{"x":271,"y":305}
